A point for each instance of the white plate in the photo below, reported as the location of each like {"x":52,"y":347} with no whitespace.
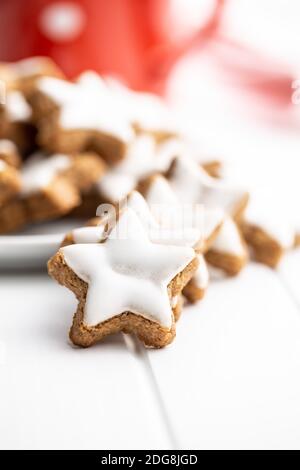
{"x":32,"y":247}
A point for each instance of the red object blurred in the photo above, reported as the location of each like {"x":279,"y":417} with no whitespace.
{"x":132,"y":39}
{"x":129,"y":38}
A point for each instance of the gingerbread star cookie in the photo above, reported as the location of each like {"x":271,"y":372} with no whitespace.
{"x":193,"y":185}
{"x":205,"y":227}
{"x":228,"y":252}
{"x":146,"y":112}
{"x":143,"y":157}
{"x":172,"y":214}
{"x":173,"y":234}
{"x":71,"y":117}
{"x":145,"y":275}
{"x":268,"y":235}
{"x":50,"y":187}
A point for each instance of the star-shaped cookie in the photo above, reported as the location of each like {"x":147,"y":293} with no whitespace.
{"x":128,"y":283}
{"x":186,"y":218}
{"x":194,"y":186}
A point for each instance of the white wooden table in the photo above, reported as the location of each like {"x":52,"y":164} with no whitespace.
{"x":230,"y":380}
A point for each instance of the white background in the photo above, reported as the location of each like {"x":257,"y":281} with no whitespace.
{"x":231,"y":379}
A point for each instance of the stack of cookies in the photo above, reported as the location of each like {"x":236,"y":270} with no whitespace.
{"x":158,"y":220}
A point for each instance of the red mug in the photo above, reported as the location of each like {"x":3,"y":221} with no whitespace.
{"x":127,"y":38}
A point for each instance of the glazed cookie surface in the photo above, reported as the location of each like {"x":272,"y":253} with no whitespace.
{"x":146,"y":275}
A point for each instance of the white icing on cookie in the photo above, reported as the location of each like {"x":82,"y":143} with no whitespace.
{"x":138,"y":161}
{"x":90,"y":115}
{"x":16,"y":107}
{"x":145,"y":110}
{"x":212,"y":221}
{"x":167,"y":209}
{"x":93,"y":81}
{"x":81,"y":108}
{"x":89,"y":234}
{"x":170,"y":212}
{"x":159,"y":233}
{"x":39,"y":170}
{"x":138,"y":270}
{"x":60,"y":91}
{"x":140,"y":157}
{"x":229,"y":239}
{"x":159,"y":191}
{"x":136,"y":202}
{"x":96,"y":104}
{"x":7,"y":146}
{"x":193,"y":185}
{"x":113,"y":186}
{"x":143,"y":158}
{"x":167,"y":150}
{"x":201,"y":276}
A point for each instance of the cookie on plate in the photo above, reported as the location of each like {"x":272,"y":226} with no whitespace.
{"x":72,"y":118}
{"x":51,"y":187}
{"x":146,"y":112}
{"x":143,"y":157}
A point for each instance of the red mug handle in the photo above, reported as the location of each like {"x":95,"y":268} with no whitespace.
{"x":160,"y":61}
